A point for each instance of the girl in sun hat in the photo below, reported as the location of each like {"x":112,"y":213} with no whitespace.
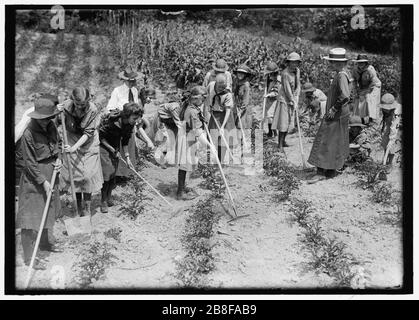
{"x":241,"y":91}
{"x":288,"y":98}
{"x":40,"y":145}
{"x":273,"y":86}
{"x":391,"y":126}
{"x":331,"y":145}
{"x":367,"y":87}
{"x":81,"y":120}
{"x":219,"y":66}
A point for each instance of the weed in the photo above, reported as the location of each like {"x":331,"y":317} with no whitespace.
{"x":114,"y":233}
{"x":92,"y":261}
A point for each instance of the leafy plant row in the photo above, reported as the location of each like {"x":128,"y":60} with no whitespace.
{"x":327,"y":255}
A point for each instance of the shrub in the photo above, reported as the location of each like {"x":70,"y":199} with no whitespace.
{"x":381,"y":34}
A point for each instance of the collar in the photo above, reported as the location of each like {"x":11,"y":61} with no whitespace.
{"x":34,"y":125}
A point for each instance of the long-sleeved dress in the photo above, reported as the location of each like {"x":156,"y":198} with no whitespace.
{"x":290,"y":91}
{"x":40,"y":150}
{"x":85,"y":163}
{"x":241,"y":90}
{"x":120,"y":96}
{"x":368,"y":88}
{"x":331,"y":145}
{"x":117,"y":134}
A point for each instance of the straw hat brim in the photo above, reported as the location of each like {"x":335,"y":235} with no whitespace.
{"x":336,"y":59}
{"x":123,"y":77}
{"x":357,"y":125}
{"x":359,"y":61}
{"x":265,"y":72}
{"x":220,"y":69}
{"x":391,"y":106}
{"x":36,"y":115}
{"x":312,"y":89}
{"x":243,"y":71}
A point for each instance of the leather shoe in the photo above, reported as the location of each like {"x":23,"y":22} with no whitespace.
{"x":52,"y":248}
{"x":104,"y":207}
{"x":316,"y":178}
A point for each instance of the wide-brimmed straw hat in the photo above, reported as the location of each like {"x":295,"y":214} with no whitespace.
{"x":388,"y":102}
{"x":129,"y":74}
{"x":355,"y":121}
{"x":243,"y":69}
{"x":220,"y":65}
{"x":308,"y":87}
{"x":271,"y":67}
{"x":361,"y":58}
{"x":336,"y":54}
{"x":44,"y":108}
{"x":293,"y":56}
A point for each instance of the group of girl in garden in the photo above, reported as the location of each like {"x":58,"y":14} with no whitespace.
{"x":98,"y":139}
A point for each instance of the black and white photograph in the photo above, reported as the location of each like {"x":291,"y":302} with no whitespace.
{"x":209,"y":148}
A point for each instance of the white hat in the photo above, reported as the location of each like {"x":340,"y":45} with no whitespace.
{"x":336,"y":54}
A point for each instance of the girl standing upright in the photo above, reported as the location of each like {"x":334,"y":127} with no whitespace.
{"x":40,"y":150}
{"x":288,"y":99}
{"x":331,"y":145}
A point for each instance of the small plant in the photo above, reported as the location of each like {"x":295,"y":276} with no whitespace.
{"x":301,"y":210}
{"x":313,"y":232}
{"x":383,"y":193}
{"x":133,"y":202}
{"x":145,"y":154}
{"x":369,"y":173}
{"x":196,"y":240}
{"x":283,"y":176}
{"x":212,"y":180}
{"x":114,"y":233}
{"x":92,"y":261}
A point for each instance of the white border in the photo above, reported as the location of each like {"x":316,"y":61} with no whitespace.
{"x":202,"y":297}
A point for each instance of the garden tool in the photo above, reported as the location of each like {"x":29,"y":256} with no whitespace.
{"x":154,"y":189}
{"x":41,"y":227}
{"x":68,"y":162}
{"x":385,"y":156}
{"x":263,"y":125}
{"x":222,"y":136}
{"x":224,"y":179}
{"x":299,"y":136}
{"x":245,"y":145}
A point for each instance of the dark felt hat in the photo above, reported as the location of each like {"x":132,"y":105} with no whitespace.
{"x":44,"y":108}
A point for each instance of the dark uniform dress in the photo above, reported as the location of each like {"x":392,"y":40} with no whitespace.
{"x":40,"y":150}
{"x":331,"y":145}
{"x":116,"y":134}
{"x":85,"y":163}
{"x":241,"y":91}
